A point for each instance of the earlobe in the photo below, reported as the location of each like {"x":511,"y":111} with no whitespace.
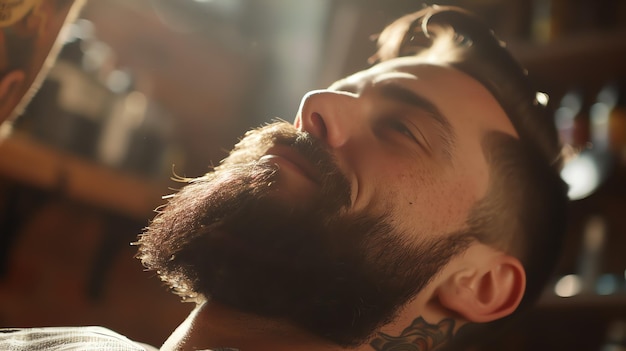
{"x":486,"y":292}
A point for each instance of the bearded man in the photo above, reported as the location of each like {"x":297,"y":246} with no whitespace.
{"x":407,"y":203}
{"x":410,"y":206}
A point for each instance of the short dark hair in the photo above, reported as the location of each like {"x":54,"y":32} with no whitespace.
{"x":524,"y":211}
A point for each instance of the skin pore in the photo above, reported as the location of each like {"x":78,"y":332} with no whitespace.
{"x":407,"y":136}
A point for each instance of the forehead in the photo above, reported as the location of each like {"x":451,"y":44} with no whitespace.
{"x":461,"y":98}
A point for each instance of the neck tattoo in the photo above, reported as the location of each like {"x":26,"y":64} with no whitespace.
{"x":419,"y":336}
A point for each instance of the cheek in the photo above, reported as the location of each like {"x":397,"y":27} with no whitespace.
{"x":461,"y":197}
{"x":434,"y":205}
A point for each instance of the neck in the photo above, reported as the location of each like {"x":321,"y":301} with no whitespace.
{"x":213,"y":326}
{"x":433,"y":329}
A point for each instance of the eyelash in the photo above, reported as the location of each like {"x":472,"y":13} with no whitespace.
{"x":401,"y":127}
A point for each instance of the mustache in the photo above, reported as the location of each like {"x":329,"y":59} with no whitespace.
{"x":255,"y":144}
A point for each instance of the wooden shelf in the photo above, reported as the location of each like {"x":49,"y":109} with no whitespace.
{"x":589,"y":59}
{"x":25,"y":160}
{"x":614,"y":301}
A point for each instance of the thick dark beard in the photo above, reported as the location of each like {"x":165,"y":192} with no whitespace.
{"x":336,"y":274}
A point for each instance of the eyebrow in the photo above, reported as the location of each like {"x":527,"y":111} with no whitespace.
{"x":407,"y":96}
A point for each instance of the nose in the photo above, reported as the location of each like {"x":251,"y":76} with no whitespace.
{"x":328,"y":116}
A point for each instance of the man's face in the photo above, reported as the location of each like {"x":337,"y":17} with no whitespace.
{"x":408,"y":137}
{"x":338,"y":221}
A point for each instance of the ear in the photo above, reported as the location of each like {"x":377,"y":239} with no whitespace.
{"x":489,"y":288}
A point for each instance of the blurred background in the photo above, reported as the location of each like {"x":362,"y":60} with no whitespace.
{"x":144,"y":89}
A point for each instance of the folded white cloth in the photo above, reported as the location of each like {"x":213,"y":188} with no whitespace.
{"x":67,"y":339}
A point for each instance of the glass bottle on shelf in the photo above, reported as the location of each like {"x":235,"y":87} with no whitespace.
{"x":564,"y":117}
{"x":615,"y":337}
{"x":582,"y":121}
{"x":617,"y":123}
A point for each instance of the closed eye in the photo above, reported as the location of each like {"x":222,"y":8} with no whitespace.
{"x":400,"y":127}
{"x":409,"y":131}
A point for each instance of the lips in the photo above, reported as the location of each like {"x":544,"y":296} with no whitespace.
{"x":284,"y":155}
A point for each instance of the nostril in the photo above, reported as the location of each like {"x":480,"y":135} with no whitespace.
{"x":318,"y":125}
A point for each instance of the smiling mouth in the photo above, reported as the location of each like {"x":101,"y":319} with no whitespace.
{"x":286,"y":156}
